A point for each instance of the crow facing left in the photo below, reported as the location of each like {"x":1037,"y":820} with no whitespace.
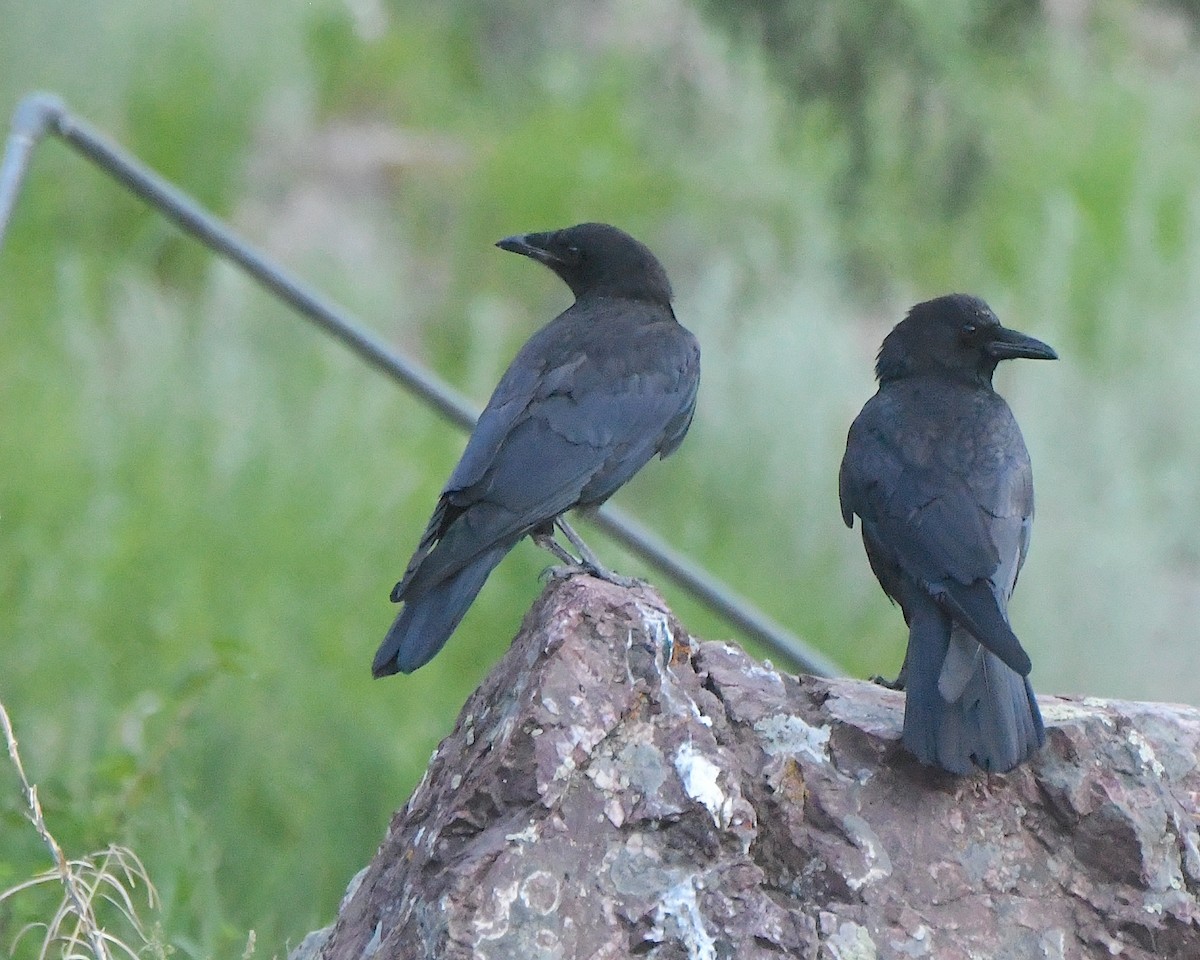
{"x":586,"y":403}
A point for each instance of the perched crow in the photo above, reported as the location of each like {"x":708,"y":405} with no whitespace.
{"x":589,"y":399}
{"x":936,"y":470}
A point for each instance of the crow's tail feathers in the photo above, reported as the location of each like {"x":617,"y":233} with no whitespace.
{"x":924,"y":709}
{"x":996,"y":722}
{"x":426,"y":621}
{"x":981,"y":714}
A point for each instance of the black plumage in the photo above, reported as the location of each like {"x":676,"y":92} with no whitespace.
{"x":589,"y":399}
{"x":937,"y":471}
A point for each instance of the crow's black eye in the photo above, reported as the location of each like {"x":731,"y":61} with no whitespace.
{"x":969,"y":330}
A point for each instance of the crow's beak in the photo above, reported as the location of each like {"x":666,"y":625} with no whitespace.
{"x":532,"y":245}
{"x":1008,"y":344}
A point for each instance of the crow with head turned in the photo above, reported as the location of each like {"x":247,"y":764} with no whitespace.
{"x":938,"y":474}
{"x":589,"y":399}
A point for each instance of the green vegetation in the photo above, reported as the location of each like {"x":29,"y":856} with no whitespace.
{"x":203,"y":504}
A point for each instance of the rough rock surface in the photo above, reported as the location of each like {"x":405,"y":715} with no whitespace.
{"x":615,"y":789}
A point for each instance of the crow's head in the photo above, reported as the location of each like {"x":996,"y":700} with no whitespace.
{"x":957,"y":336}
{"x":597,"y":259}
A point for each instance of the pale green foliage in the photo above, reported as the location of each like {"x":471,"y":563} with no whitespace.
{"x":203,"y":504}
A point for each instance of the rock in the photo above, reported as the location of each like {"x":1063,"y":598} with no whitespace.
{"x":615,"y":789}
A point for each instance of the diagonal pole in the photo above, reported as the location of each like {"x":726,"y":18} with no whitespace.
{"x":41,"y":114}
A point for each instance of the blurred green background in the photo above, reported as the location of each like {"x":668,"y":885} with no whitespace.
{"x":204,"y":504}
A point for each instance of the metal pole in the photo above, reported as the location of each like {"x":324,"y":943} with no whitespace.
{"x":35,"y":116}
{"x":40,"y":114}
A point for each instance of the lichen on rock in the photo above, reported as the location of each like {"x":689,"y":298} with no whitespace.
{"x":615,"y":789}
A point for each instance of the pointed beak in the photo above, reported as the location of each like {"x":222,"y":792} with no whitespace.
{"x":1008,"y":344}
{"x":532,"y":245}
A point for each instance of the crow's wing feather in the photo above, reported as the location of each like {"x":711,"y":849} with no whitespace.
{"x":567,"y":358}
{"x":525,"y":377}
{"x":943,"y":531}
{"x":586,"y":427}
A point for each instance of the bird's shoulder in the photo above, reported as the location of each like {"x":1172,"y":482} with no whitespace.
{"x":606,"y":344}
{"x":941,"y":471}
{"x":941,"y":429}
{"x":580,"y":371}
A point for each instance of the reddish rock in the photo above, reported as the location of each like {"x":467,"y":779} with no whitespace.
{"x":615,"y":789}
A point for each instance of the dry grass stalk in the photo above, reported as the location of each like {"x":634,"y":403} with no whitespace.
{"x":105,"y":877}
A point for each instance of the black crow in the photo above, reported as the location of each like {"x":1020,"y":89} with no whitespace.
{"x":591,"y":397}
{"x":937,"y":471}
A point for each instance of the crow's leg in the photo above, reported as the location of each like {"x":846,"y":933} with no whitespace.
{"x":897,"y":684}
{"x":543,"y":536}
{"x":588,"y":560}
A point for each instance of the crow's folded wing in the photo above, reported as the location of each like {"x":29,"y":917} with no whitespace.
{"x":961,"y":540}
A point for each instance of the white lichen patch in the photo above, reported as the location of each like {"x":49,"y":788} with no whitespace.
{"x":766,"y":671}
{"x":530,"y":834}
{"x":566,"y":767}
{"x":1068,"y":711}
{"x":579,"y":739}
{"x":1189,"y":838}
{"x":678,"y":917}
{"x":606,"y":776}
{"x":851,"y":942}
{"x":614,"y":811}
{"x":674,"y":697}
{"x":699,"y":776}
{"x":641,"y":762}
{"x":421,"y":787}
{"x":1054,"y":944}
{"x":788,"y":735}
{"x":659,"y":628}
{"x":493,"y":919}
{"x":879,"y":864}
{"x":541,"y":892}
{"x":1145,"y":752}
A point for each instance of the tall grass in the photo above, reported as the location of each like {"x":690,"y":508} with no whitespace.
{"x":203,"y":504}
